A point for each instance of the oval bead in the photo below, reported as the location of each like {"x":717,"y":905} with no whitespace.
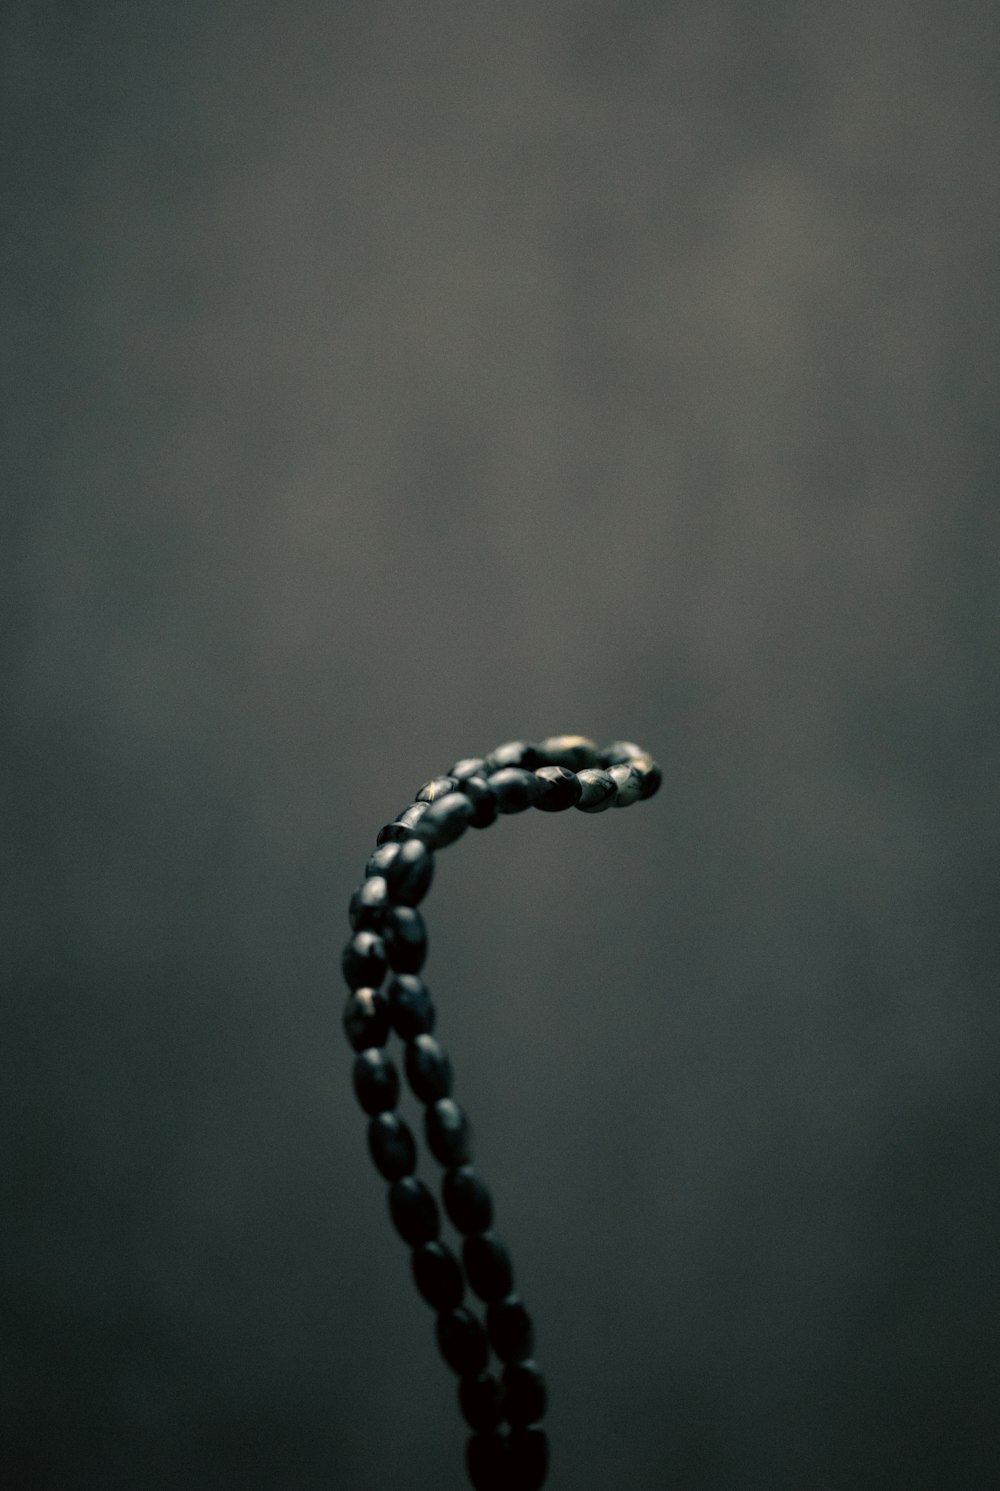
{"x":403,"y":825}
{"x":368,"y":904}
{"x":486,"y":1462}
{"x":525,"y":1395}
{"x":620,"y":750}
{"x":481,"y":1401}
{"x":527,"y":1459}
{"x":597,"y":790}
{"x":412,"y":814}
{"x":435,"y":788}
{"x":405,"y":938}
{"x":363,"y":961}
{"x":437,"y":1274}
{"x":574,"y":751}
{"x":483,"y":799}
{"x":411,"y":1008}
{"x":413,"y":1210}
{"x":448,"y":1131}
{"x":628,"y":784}
{"x":469,"y":766}
{"x":652,"y":776}
{"x":462,"y":1342}
{"x":376,"y":1081}
{"x":409,"y":877}
{"x":467,"y":1199}
{"x":560,"y":789}
{"x":446,"y":820}
{"x":515,"y":788}
{"x":392,"y":1146}
{"x":522,"y":753}
{"x":380,"y":860}
{"x":511,"y":1332}
{"x":428,"y":1069}
{"x":366,"y":1018}
{"x":487,"y":1266}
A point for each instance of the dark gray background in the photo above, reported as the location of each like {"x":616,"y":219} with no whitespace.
{"x":383,"y":381}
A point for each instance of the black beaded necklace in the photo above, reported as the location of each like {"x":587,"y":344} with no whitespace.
{"x":508,"y":1449}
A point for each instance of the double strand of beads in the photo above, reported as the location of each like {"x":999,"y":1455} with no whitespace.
{"x":503,"y":1405}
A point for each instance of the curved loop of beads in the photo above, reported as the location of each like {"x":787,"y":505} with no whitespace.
{"x":503,"y":1405}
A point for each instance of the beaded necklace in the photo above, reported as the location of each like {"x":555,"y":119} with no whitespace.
{"x":507,"y":1449}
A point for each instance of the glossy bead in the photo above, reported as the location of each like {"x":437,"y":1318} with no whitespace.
{"x":628,"y":783}
{"x":462,"y":1342}
{"x":620,"y":750}
{"x":428,"y":1069}
{"x":522,"y":753}
{"x":481,"y":1401}
{"x":469,"y":766}
{"x":652,"y":776}
{"x":597,"y":790}
{"x":446,"y":820}
{"x":381,"y":859}
{"x":366,"y":1018}
{"x":411,"y":1008}
{"x":405,"y":938}
{"x":392,"y":1146}
{"x":525,"y":1396}
{"x":515,"y":789}
{"x":574,"y":751}
{"x":368,"y":904}
{"x":376,"y":1081}
{"x":483,"y":799}
{"x":414,"y":1211}
{"x":486,"y":1462}
{"x":561,"y":789}
{"x":437,"y":1274}
{"x":467,"y":1199}
{"x":363,"y":961}
{"x":527,"y":1458}
{"x":487,"y":1266}
{"x":409,"y":876}
{"x":435,"y":788}
{"x":448,"y":1131}
{"x":511,"y":1332}
{"x":403,"y":825}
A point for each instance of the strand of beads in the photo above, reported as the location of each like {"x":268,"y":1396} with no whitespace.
{"x":382,"y":963}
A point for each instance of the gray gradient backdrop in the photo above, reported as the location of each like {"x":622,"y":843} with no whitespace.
{"x":383,"y":381}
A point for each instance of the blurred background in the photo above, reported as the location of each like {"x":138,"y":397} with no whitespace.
{"x":386,"y":381}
